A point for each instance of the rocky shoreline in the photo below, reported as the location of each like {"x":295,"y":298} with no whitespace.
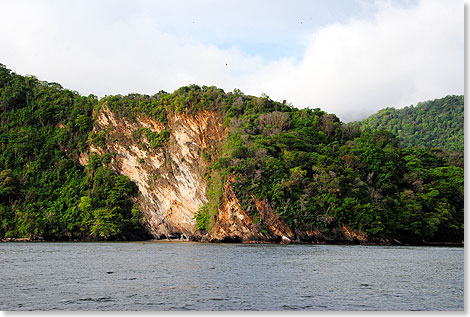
{"x":284,"y":240}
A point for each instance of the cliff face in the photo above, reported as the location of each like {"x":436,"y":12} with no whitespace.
{"x":234,"y":224}
{"x":172,"y":180}
{"x":171,"y":177}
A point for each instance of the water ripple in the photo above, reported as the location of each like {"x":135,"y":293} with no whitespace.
{"x":197,"y":276}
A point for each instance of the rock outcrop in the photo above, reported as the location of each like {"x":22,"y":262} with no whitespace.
{"x":171,"y":178}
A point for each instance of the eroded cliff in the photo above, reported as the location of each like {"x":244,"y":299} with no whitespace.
{"x":171,"y":176}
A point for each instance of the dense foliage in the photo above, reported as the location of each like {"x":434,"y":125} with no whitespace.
{"x":436,"y":123}
{"x":44,"y":192}
{"x":314,"y":170}
{"x":311,"y":168}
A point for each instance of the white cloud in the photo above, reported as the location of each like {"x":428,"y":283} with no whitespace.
{"x":403,"y":56}
{"x":94,"y":53}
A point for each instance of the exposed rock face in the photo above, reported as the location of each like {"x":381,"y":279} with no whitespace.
{"x":233,"y":223}
{"x":172,"y":183}
{"x":170,"y":178}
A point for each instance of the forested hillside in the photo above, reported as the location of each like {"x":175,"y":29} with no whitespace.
{"x":310,"y":168}
{"x":437,"y":123}
{"x":314,"y":170}
{"x":44,"y":191}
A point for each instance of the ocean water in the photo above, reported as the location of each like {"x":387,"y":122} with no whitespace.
{"x":180,"y":276}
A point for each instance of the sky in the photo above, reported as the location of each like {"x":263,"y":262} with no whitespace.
{"x":347,"y":57}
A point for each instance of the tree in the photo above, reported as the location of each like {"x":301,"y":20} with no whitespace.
{"x":8,"y":185}
{"x":105,"y":223}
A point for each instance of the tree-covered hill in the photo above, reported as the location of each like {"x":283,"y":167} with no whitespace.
{"x":44,"y":191}
{"x":310,"y":168}
{"x":437,"y":123}
{"x":314,"y":170}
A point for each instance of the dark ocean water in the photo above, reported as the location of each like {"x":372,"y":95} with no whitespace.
{"x":199,"y":276}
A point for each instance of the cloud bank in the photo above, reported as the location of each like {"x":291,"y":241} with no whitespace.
{"x":397,"y":57}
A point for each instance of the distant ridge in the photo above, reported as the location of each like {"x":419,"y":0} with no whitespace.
{"x":435,"y":123}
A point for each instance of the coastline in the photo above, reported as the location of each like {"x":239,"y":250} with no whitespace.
{"x":339,"y":242}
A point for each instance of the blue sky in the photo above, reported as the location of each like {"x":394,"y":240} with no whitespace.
{"x":348,"y":57}
{"x":271,"y":29}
